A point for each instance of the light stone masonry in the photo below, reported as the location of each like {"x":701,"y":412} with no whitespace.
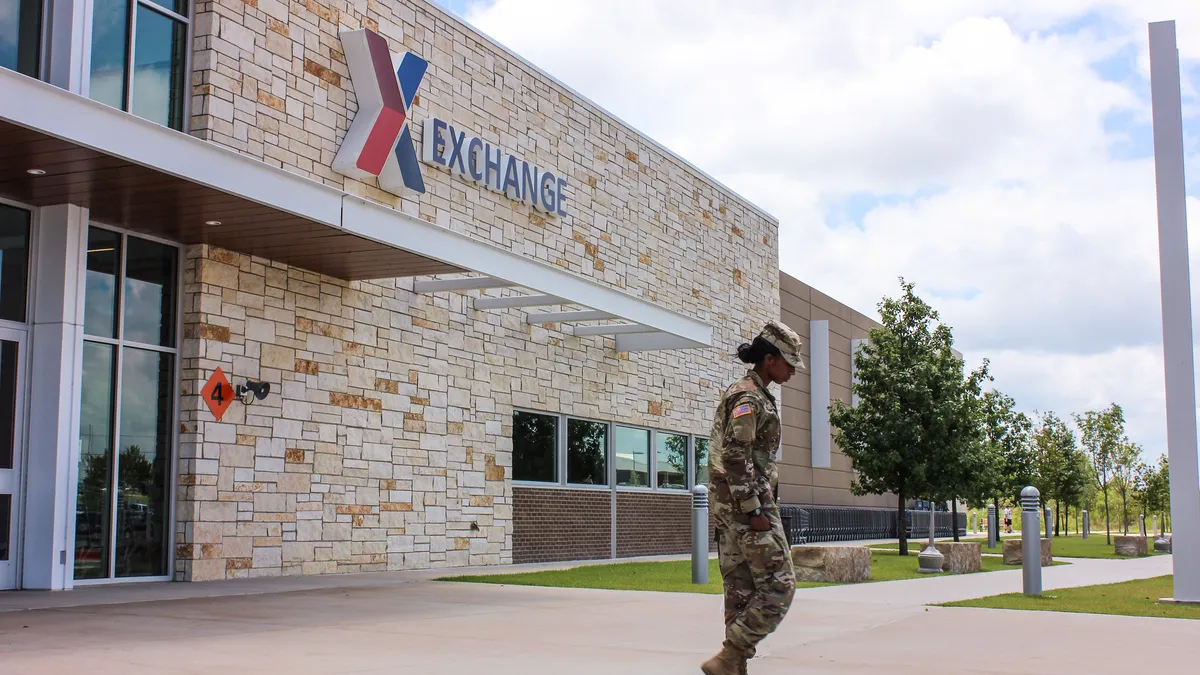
{"x":385,"y":442}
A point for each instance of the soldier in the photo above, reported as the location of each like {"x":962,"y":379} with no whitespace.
{"x":756,"y":563}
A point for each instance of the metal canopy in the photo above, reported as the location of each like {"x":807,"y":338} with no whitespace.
{"x":137,"y":174}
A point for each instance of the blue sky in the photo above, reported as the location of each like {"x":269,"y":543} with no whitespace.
{"x":998,"y":153}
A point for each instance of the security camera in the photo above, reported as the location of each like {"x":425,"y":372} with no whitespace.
{"x":253,"y":390}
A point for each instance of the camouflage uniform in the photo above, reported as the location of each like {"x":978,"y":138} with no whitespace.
{"x":756,"y":566}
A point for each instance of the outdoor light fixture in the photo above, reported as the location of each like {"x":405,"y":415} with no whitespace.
{"x":214,"y":223}
{"x":252,"y":390}
{"x":36,"y":172}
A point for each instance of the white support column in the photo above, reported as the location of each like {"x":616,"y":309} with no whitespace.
{"x":67,"y":51}
{"x":818,"y":361}
{"x":1178,"y":356}
{"x":54,"y":397}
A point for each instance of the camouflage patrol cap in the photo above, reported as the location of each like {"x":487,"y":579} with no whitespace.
{"x":786,"y":340}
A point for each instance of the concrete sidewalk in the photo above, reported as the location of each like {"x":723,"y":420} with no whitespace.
{"x":422,"y":627}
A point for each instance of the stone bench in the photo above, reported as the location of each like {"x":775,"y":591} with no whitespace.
{"x":1131,"y":545}
{"x":960,"y":557}
{"x":1014,"y":556}
{"x":835,"y":564}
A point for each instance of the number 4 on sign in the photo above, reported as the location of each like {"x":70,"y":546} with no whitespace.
{"x":217,"y":394}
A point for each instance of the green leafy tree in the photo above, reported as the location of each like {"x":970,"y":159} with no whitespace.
{"x":1008,"y":435}
{"x":1125,"y":464}
{"x":1154,"y":487}
{"x":916,"y":413}
{"x":1101,"y":432}
{"x":1060,"y":467}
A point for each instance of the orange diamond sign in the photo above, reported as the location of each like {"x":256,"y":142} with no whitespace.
{"x":217,"y":394}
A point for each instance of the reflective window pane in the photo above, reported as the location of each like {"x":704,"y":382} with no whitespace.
{"x":180,"y":7}
{"x":8,"y":403}
{"x":587,"y":444}
{"x":158,"y":68}
{"x":6,"y":527}
{"x":92,"y":507}
{"x":144,"y":463}
{"x":100,"y":294}
{"x":672,"y":459}
{"x":535,"y":443}
{"x":633,"y":457}
{"x":20,"y":35}
{"x":701,"y":461}
{"x":14,"y":262}
{"x":110,"y":44}
{"x":149,"y":302}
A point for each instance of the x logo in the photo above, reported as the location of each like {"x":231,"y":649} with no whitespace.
{"x":379,"y":142}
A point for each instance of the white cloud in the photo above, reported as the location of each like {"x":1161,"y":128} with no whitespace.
{"x":1037,"y":245}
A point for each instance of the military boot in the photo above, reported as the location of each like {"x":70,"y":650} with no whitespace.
{"x":729,"y":661}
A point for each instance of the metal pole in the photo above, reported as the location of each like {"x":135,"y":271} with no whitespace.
{"x":1178,"y":357}
{"x":992,"y":525}
{"x":700,"y":535}
{"x":1031,"y":541}
{"x":1087,"y":525}
{"x":930,"y":560}
{"x":1049,"y":521}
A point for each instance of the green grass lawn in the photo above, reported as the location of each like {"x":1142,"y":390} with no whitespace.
{"x":676,"y":576}
{"x":1075,"y":546}
{"x":1131,"y":598}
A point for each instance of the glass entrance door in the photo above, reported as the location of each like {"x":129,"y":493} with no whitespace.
{"x":12,"y":396}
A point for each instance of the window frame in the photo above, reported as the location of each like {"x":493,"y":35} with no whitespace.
{"x":560,"y":483}
{"x":119,"y":344}
{"x":130,"y":43}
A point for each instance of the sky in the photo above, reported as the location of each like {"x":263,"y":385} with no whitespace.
{"x":997,"y":153}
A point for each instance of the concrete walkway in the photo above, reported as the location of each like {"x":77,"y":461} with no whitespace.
{"x":371,"y":624}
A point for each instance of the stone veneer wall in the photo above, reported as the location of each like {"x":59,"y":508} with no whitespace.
{"x":386,"y":443}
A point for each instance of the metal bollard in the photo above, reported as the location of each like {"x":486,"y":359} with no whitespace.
{"x":1031,"y":541}
{"x":1049,"y":513}
{"x":1156,"y":525}
{"x":700,"y":534}
{"x":992,"y":525}
{"x":1087,"y":525}
{"x":974,"y":523}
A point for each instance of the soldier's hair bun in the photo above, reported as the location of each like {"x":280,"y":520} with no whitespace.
{"x":754,"y":352}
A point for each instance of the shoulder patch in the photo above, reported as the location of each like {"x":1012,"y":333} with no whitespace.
{"x":743,"y":409}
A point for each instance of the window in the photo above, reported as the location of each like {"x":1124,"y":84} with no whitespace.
{"x":535,"y":447}
{"x":14,"y":262}
{"x":20,"y":35}
{"x":633,"y":457}
{"x":701,"y":445}
{"x":139,"y":50}
{"x":587,"y":452}
{"x":127,"y":407}
{"x":671,"y":456}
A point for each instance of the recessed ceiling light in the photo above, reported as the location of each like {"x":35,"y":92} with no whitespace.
{"x":212,"y":222}
{"x":36,"y":172}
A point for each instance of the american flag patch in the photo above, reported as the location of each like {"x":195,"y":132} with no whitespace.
{"x":743,"y":409}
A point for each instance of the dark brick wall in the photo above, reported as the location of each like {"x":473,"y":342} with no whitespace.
{"x":551,"y":525}
{"x":655,"y":524}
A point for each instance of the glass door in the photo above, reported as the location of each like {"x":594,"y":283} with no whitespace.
{"x":12,"y":397}
{"x":127,"y":407}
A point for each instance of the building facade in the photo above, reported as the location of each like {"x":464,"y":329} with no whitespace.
{"x":224,"y":357}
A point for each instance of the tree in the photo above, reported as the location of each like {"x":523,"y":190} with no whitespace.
{"x":1060,"y":467}
{"x":1125,"y":463}
{"x":915,"y":415}
{"x":1154,"y":485}
{"x":1008,"y":450}
{"x":1101,"y":433}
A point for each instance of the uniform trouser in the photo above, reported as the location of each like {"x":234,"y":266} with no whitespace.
{"x":756,"y":568}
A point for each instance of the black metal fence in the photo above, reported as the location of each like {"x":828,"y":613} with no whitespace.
{"x":814,"y":524}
